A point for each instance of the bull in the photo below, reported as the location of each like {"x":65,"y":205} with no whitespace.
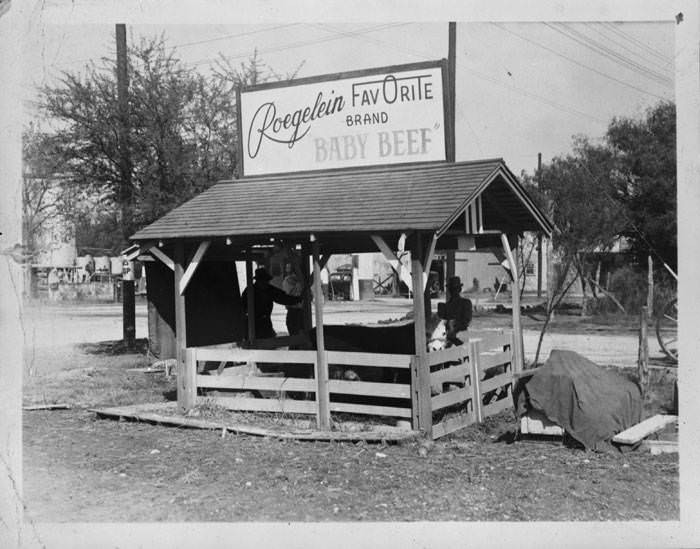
{"x":390,"y":338}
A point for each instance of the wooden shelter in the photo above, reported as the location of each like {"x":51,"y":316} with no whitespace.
{"x":193,"y":284}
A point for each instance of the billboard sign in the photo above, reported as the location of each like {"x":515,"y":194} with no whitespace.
{"x":393,"y":115}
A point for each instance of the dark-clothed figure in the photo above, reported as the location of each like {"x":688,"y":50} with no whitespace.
{"x":265,"y":296}
{"x":293,"y":286}
{"x":457,"y":311}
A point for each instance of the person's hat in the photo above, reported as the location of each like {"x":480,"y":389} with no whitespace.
{"x":454,"y":282}
{"x":262,"y":274}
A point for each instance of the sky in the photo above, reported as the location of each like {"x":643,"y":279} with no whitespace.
{"x":522,"y":88}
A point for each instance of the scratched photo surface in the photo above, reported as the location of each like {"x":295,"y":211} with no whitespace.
{"x":290,"y":99}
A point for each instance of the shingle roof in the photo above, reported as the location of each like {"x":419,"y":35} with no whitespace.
{"x":417,"y":197}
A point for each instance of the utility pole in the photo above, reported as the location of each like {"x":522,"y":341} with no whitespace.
{"x":539,"y":236}
{"x":125,"y":187}
{"x":451,"y":74}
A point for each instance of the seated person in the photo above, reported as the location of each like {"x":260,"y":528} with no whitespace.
{"x":456,"y":311}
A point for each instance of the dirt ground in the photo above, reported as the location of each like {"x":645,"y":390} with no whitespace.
{"x":80,"y":468}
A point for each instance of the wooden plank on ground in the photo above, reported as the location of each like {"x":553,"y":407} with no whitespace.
{"x":657,"y":447}
{"x":142,"y":412}
{"x":535,"y":422}
{"x":252,"y":355}
{"x":392,"y":390}
{"x":256,"y":383}
{"x":265,"y":404}
{"x":637,"y":432}
{"x":495,"y":382}
{"x":453,"y":374}
{"x":450,"y":398}
{"x":452,"y":424}
{"x":34,"y":407}
{"x":367,"y":409}
{"x":369,"y":359}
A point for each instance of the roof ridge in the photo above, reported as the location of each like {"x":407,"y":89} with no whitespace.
{"x":314,"y":174}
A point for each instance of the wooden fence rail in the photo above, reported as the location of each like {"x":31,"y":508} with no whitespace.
{"x":471,"y":381}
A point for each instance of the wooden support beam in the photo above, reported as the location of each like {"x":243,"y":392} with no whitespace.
{"x":192,"y":267}
{"x":324,"y":260}
{"x":323,"y":416}
{"x":428,"y":260}
{"x":517,"y":327}
{"x":307,"y":314}
{"x":158,"y":253}
{"x":420,"y":371}
{"x":392,"y":257}
{"x":384,"y":248}
{"x":250,"y":305}
{"x":185,"y":393}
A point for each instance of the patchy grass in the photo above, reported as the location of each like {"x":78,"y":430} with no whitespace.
{"x":79,"y":468}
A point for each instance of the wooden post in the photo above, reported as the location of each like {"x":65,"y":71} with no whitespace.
{"x":125,"y":182}
{"x":643,"y":359}
{"x":420,"y":371}
{"x":650,"y":294}
{"x":185,"y":393}
{"x":539,"y":265}
{"x":128,"y":312}
{"x":323,"y":416}
{"x":474,"y":350}
{"x":307,"y":315}
{"x":452,"y":93}
{"x":250,"y":295}
{"x":515,"y":299}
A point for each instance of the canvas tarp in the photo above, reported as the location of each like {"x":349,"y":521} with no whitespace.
{"x":592,"y":404}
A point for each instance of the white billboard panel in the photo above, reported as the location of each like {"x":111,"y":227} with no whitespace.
{"x":388,"y":116}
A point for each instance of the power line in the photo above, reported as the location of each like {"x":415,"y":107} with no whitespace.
{"x":663,"y":65}
{"x":625,"y":60}
{"x":611,"y":54}
{"x":205,"y":41}
{"x":354,"y":34}
{"x":517,"y":89}
{"x":236,"y":35}
{"x":538,"y":97}
{"x":632,"y":40}
{"x":551,"y":50}
{"x":294,"y":45}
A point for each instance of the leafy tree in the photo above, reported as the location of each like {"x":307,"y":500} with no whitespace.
{"x":577,"y":192}
{"x":645,"y":160}
{"x":182,"y":135}
{"x":626,"y":186}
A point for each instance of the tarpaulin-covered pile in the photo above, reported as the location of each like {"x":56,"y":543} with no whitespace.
{"x":591,"y":404}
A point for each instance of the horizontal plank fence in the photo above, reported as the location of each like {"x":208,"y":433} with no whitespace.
{"x":241,"y":374}
{"x":492,"y":367}
{"x":468,"y":382}
{"x":452,"y":380}
{"x":473,"y":381}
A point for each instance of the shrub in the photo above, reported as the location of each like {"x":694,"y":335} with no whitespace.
{"x":630,"y":288}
